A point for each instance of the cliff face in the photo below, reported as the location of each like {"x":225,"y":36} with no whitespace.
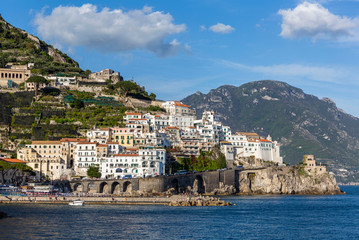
{"x":286,"y":180}
{"x":20,"y":47}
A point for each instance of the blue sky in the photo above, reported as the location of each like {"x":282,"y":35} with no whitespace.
{"x":175,"y":48}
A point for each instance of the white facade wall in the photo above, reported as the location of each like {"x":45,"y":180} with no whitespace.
{"x":85,"y":156}
{"x":152,"y":161}
{"x":261,"y":149}
{"x":181,"y":121}
{"x":98,"y":135}
{"x":148,"y":161}
{"x":120,"y":165}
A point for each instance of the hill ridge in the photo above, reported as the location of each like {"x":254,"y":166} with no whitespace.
{"x":303,"y":123}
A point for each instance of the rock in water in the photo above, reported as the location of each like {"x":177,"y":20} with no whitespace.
{"x":3,"y":215}
{"x":286,"y":180}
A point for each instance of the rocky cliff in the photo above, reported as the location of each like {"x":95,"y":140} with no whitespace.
{"x":20,"y":47}
{"x":286,"y":180}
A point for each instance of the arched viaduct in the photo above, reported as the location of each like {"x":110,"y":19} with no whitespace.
{"x":200,"y":182}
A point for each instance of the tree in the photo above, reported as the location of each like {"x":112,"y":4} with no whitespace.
{"x":93,"y":172}
{"x":37,"y":79}
{"x":127,"y":87}
{"x":78,"y":104}
{"x":87,"y":73}
{"x":153,"y":96}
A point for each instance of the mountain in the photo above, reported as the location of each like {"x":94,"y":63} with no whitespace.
{"x":19,"y":47}
{"x":302,"y":123}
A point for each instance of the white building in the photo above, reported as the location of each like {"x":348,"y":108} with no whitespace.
{"x":85,"y":156}
{"x":63,"y":80}
{"x":250,"y":144}
{"x":101,"y":136}
{"x":147,"y":161}
{"x":181,"y":121}
{"x":178,"y":108}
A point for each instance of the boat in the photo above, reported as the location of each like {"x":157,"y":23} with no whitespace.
{"x":77,"y":202}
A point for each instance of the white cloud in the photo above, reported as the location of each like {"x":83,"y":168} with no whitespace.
{"x":316,"y":73}
{"x":203,"y":28}
{"x":110,"y":30}
{"x":315,"y":21}
{"x":221,"y":28}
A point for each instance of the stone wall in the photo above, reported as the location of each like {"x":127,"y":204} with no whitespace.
{"x":270,"y":180}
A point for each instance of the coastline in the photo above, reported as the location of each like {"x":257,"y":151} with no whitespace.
{"x":175,"y":200}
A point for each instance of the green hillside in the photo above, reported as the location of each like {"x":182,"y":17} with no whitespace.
{"x":20,"y":47}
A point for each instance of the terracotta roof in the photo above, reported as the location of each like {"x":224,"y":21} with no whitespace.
{"x":46,"y":142}
{"x":264,"y":140}
{"x":104,"y":129}
{"x":172,"y":127}
{"x":181,"y":105}
{"x":112,"y":143}
{"x":224,"y":142}
{"x":102,"y":145}
{"x":132,"y":149}
{"x":125,"y":155}
{"x":12,"y":160}
{"x":73,"y":140}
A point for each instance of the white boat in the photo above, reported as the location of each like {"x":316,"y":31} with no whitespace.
{"x":77,"y":203}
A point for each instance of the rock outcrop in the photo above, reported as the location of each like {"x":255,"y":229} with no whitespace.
{"x":286,"y":180}
{"x":224,"y":190}
{"x":188,"y":201}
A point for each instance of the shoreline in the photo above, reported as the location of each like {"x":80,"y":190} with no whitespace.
{"x":175,"y":200}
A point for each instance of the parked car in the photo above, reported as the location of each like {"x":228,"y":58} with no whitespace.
{"x":180,"y":172}
{"x":127,"y":177}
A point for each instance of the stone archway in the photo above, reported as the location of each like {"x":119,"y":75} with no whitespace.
{"x":103,"y":187}
{"x":127,"y":187}
{"x":175,"y":185}
{"x":91,"y":187}
{"x":115,"y":188}
{"x":78,"y":187}
{"x":199,"y":185}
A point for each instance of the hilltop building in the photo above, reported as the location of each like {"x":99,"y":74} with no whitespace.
{"x":106,"y":74}
{"x":14,"y":75}
{"x":311,"y":165}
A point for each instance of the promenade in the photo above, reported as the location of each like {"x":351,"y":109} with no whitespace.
{"x":175,"y":200}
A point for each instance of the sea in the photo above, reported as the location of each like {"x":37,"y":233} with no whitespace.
{"x":252,"y":217}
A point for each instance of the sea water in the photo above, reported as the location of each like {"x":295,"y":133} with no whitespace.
{"x":252,"y":217}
